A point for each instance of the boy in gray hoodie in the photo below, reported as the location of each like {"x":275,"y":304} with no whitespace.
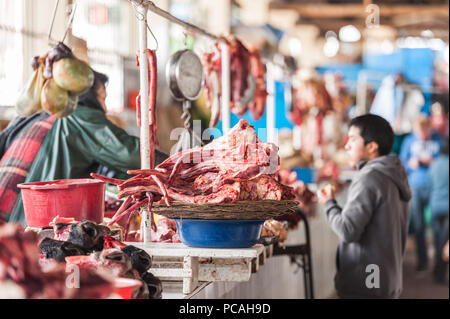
{"x":373,"y":225}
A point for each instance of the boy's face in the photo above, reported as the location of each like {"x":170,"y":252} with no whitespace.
{"x":356,"y":150}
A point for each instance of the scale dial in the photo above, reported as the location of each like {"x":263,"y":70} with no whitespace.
{"x":188,"y":74}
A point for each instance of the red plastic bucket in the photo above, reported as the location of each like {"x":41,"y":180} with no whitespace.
{"x":82,"y":199}
{"x":124,"y":287}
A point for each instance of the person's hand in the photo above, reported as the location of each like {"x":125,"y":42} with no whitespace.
{"x":413,"y":163}
{"x":325,"y":194}
{"x":426,"y":161}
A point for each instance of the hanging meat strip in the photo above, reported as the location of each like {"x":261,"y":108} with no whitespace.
{"x":243,"y":62}
{"x":258,"y":105}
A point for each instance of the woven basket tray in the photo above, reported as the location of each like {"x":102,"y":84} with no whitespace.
{"x":243,"y":210}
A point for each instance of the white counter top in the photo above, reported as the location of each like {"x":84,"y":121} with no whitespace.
{"x":278,"y":278}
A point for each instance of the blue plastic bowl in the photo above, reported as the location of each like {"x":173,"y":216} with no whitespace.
{"x":210,"y":233}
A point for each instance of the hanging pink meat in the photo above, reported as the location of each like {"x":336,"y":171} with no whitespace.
{"x":258,"y":105}
{"x":310,"y":98}
{"x":243,"y":62}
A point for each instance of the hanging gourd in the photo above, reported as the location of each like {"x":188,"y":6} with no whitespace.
{"x":54,"y":99}
{"x":73,"y":75}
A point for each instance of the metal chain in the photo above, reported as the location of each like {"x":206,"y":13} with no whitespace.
{"x":187,"y":114}
{"x":50,"y":40}
{"x":69,"y":23}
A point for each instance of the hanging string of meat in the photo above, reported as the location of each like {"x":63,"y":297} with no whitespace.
{"x":239,"y":73}
{"x":152,"y":86}
{"x":153,"y":74}
{"x":258,"y":105}
{"x":243,"y":63}
{"x":212,"y":85}
{"x":236,"y":166}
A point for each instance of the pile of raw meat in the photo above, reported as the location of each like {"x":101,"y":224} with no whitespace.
{"x":91,"y":246}
{"x":22,"y":276}
{"x":246,"y":71}
{"x":234,"y":167}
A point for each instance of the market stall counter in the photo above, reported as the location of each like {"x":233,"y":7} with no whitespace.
{"x":279,"y":278}
{"x":275,"y":277}
{"x":175,"y":262}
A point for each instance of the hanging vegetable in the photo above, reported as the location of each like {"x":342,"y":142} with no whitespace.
{"x":54,"y":98}
{"x":72,"y":103}
{"x":60,"y":51}
{"x":29,"y":100}
{"x":58,"y":78}
{"x":72,"y":74}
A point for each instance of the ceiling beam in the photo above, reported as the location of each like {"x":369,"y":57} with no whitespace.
{"x":358,"y":10}
{"x":405,"y":27}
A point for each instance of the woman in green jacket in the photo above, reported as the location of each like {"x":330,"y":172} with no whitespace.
{"x":42,"y":147}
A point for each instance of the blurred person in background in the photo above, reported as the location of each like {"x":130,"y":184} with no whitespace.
{"x":439,"y":176}
{"x":417,"y":152}
{"x":445,"y":252}
{"x":398,"y":101}
{"x":42,"y":147}
{"x":439,"y":114}
{"x":439,"y":120}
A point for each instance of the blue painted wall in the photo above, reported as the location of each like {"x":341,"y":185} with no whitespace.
{"x":281,"y":115}
{"x":415,"y":64}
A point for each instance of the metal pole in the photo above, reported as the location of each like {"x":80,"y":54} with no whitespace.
{"x":225,"y":89}
{"x":149,"y":5}
{"x":144,"y":136}
{"x":270,"y":104}
{"x":152,"y":7}
{"x":361,"y":94}
{"x":142,"y":7}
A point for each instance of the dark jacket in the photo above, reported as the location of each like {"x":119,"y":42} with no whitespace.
{"x":372,"y":230}
{"x":75,"y":146}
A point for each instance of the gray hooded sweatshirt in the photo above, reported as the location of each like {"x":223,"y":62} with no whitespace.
{"x":372,"y":230}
